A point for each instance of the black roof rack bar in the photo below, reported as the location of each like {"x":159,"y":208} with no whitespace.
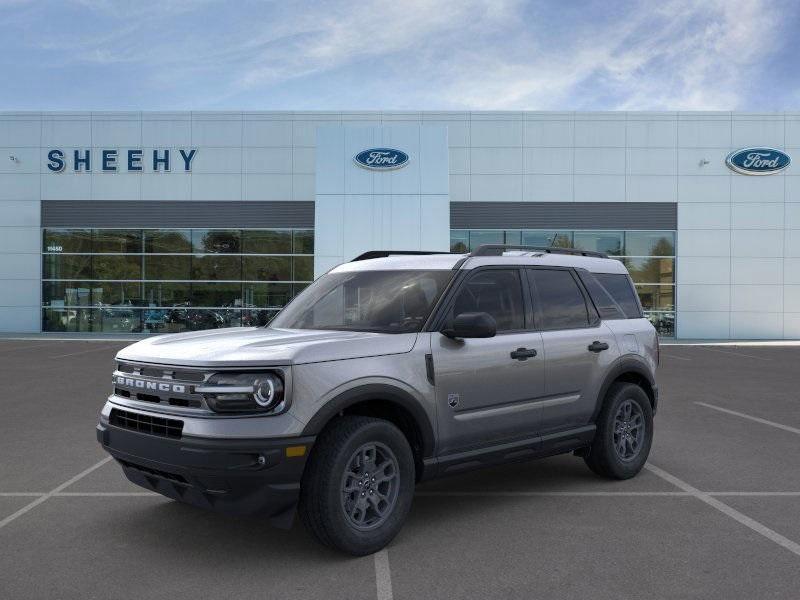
{"x":498,"y":249}
{"x":384,"y":253}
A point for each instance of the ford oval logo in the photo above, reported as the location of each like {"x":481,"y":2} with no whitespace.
{"x":758,"y":161}
{"x":381,"y":159}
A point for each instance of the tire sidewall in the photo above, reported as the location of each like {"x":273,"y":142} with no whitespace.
{"x":619,"y":394}
{"x":345,"y":535}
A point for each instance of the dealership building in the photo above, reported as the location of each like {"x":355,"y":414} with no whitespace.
{"x":118,"y":222}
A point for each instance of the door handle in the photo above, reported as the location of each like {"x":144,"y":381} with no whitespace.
{"x":523,"y":353}
{"x":596,"y":346}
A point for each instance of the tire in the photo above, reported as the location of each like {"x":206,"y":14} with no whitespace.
{"x":337,"y":506}
{"x":620,"y":457}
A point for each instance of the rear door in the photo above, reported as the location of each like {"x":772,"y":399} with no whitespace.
{"x":487,"y":389}
{"x":578,"y":348}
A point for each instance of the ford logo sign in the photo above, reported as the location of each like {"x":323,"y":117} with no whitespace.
{"x":381,"y":159}
{"x":758,"y":161}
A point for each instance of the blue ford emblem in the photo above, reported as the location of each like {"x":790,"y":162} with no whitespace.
{"x":381,"y":159}
{"x":758,"y":161}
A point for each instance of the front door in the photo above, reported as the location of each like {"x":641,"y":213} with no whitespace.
{"x":487,"y":389}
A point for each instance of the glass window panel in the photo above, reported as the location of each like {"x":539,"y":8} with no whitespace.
{"x":167,"y":267}
{"x":609,"y":242}
{"x":303,"y":268}
{"x":497,"y":292}
{"x":67,"y":319}
{"x":663,"y":322}
{"x":67,"y":240}
{"x":554,"y":239}
{"x":117,"y":240}
{"x":650,"y":243}
{"x":167,"y":240}
{"x":257,"y":318}
{"x":226,"y":241}
{"x":194,"y":319}
{"x":477,"y":238}
{"x":216,"y":267}
{"x":67,"y":266}
{"x":167,"y":294}
{"x":459,"y":241}
{"x":117,"y":320}
{"x":304,"y":241}
{"x":267,"y":268}
{"x":117,"y":267}
{"x":512,"y":238}
{"x":651,"y":270}
{"x":271,"y":295}
{"x":562,"y":304}
{"x":111,"y":293}
{"x":267,"y":241}
{"x":216,"y":294}
{"x":620,"y":289}
{"x":154,"y":320}
{"x":656,"y":297}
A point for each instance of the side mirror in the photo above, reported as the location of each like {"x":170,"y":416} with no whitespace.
{"x":472,"y":325}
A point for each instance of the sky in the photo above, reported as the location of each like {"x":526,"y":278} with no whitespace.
{"x":400,"y":55}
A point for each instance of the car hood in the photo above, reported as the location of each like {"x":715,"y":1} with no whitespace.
{"x":259,"y":346}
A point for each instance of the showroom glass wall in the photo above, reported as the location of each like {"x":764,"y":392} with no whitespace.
{"x":648,"y":255}
{"x":170,"y":280}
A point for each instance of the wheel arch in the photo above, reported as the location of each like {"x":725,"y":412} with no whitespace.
{"x":628,"y":370}
{"x":387,"y":402}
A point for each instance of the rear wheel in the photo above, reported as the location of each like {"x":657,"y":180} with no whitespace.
{"x":357,"y":488}
{"x":624,"y":433}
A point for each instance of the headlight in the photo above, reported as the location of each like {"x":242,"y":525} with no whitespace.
{"x":244,"y":392}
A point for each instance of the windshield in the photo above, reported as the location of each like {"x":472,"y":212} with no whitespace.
{"x":379,"y":301}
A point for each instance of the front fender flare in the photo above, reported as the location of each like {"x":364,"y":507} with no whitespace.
{"x":375,"y":391}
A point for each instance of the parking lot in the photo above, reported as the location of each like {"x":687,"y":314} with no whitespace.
{"x":716,"y":513}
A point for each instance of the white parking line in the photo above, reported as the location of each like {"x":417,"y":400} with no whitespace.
{"x":751,"y":418}
{"x":51,"y":493}
{"x":546,"y":494}
{"x":383,"y":576}
{"x":741,"y":354}
{"x":759,"y":528}
{"x":105,"y":494}
{"x":83,"y":352}
{"x":675,"y":356}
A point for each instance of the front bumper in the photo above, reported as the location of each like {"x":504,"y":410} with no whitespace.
{"x":241,"y":477}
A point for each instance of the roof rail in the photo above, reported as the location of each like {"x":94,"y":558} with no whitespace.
{"x":384,"y":253}
{"x":498,"y":249}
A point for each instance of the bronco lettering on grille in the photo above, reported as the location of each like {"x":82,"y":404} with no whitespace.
{"x":144,"y":384}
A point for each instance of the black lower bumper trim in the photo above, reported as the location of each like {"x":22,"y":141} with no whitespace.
{"x":241,"y":477}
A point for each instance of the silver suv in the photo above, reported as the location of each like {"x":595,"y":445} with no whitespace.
{"x":388,"y":370}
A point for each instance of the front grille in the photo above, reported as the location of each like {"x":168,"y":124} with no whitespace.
{"x":168,"y":428}
{"x":160,"y":385}
{"x":162,"y":372}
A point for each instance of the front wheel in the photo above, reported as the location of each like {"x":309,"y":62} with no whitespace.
{"x":357,"y":488}
{"x":624,"y":433}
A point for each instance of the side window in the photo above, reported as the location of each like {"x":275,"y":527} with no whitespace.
{"x":621,"y":290}
{"x":497,"y":292}
{"x":561,"y":301}
{"x":606,"y":305}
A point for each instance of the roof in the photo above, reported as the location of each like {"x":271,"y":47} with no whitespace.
{"x":449,"y":261}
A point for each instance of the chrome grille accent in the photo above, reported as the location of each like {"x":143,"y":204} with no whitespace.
{"x":160,"y":385}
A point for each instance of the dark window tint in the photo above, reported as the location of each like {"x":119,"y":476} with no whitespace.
{"x":561,"y":301}
{"x":497,"y":292}
{"x":117,"y":240}
{"x":267,"y":242}
{"x":621,"y":290}
{"x":216,"y":240}
{"x":168,"y":240}
{"x":606,"y":305}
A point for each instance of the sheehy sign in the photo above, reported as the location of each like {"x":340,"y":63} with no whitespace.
{"x":111,"y":161}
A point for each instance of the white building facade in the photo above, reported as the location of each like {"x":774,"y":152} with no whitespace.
{"x":160,"y":222}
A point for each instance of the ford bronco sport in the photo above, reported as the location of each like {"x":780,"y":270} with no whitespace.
{"x":391,"y":369}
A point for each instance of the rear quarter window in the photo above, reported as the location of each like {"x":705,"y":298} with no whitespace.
{"x":621,"y":290}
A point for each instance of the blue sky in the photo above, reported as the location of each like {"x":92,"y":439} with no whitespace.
{"x":390,"y":54}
